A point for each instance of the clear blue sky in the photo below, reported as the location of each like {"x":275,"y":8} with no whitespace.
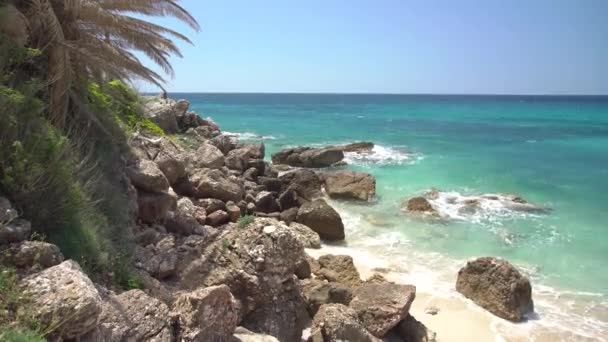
{"x":395,"y":46}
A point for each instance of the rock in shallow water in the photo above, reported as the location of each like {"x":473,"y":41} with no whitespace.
{"x":322,"y":218}
{"x":497,"y":286}
{"x":350,"y":185}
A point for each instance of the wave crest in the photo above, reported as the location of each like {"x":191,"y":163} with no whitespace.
{"x":380,"y":155}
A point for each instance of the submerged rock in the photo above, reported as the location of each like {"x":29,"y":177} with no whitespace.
{"x":497,"y":286}
{"x":420,"y":205}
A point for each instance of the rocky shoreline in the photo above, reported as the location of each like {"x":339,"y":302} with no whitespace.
{"x":220,"y":245}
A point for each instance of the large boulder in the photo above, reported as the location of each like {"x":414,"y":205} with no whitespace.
{"x":381,"y":306}
{"x":307,"y":237}
{"x":145,"y":175}
{"x":319,"y":292}
{"x":256,"y":151}
{"x":162,"y":112}
{"x":305,"y":183}
{"x":497,"y":286}
{"x":32,"y":253}
{"x":258,"y":264}
{"x":322,"y":218}
{"x":133,"y":316}
{"x":337,"y":322}
{"x":171,"y":160}
{"x":339,"y":268}
{"x":238,"y":159}
{"x":309,"y":157}
{"x":208,"y":156}
{"x":266,"y":203}
{"x":350,"y":185}
{"x":65,"y":299}
{"x":215,"y":184}
{"x":154,"y":206}
{"x":206,"y":314}
{"x":224,"y":142}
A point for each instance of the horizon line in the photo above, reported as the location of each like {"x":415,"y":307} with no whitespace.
{"x":373,"y":93}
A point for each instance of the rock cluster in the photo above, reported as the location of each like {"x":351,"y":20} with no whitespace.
{"x":220,"y":242}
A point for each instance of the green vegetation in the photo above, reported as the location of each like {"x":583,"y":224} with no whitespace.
{"x":245,"y":221}
{"x":116,"y":99}
{"x":16,"y":318}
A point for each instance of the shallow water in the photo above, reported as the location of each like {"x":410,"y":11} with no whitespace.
{"x":552,"y":151}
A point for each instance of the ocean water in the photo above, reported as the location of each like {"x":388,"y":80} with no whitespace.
{"x":551,"y":151}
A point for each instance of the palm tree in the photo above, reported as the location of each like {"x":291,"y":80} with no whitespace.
{"x":95,"y":39}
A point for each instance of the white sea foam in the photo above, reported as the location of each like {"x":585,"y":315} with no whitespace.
{"x":381,"y":155}
{"x":481,"y":208}
{"x":250,"y":136}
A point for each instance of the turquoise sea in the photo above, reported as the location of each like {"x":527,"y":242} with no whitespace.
{"x":552,"y":151}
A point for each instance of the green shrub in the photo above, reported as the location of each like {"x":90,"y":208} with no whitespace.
{"x":65,"y":183}
{"x":16,"y":310}
{"x":245,"y":221}
{"x":11,"y":334}
{"x":124,"y":104}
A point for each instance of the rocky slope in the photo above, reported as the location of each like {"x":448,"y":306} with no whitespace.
{"x":220,"y":250}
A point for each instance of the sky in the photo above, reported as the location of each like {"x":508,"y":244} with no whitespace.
{"x":394,"y":46}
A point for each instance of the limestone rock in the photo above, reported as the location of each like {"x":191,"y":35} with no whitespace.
{"x":238,"y":159}
{"x":218,"y":218}
{"x":145,"y":175}
{"x":266,"y":203}
{"x":381,"y":306}
{"x":322,"y":218}
{"x":319,"y":292}
{"x":208,"y":156}
{"x":339,"y":268}
{"x":206,"y":314}
{"x":307,"y":237}
{"x":337,"y":322}
{"x":309,"y":157}
{"x":30,"y":253}
{"x":224,"y":142}
{"x":214,"y":184}
{"x":305,"y":183}
{"x":162,"y":112}
{"x":160,"y":259}
{"x":497,"y":286}
{"x":350,"y":185}
{"x":65,"y":298}
{"x":134,"y":316}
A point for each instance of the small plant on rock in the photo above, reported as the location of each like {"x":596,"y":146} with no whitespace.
{"x":245,"y":221}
